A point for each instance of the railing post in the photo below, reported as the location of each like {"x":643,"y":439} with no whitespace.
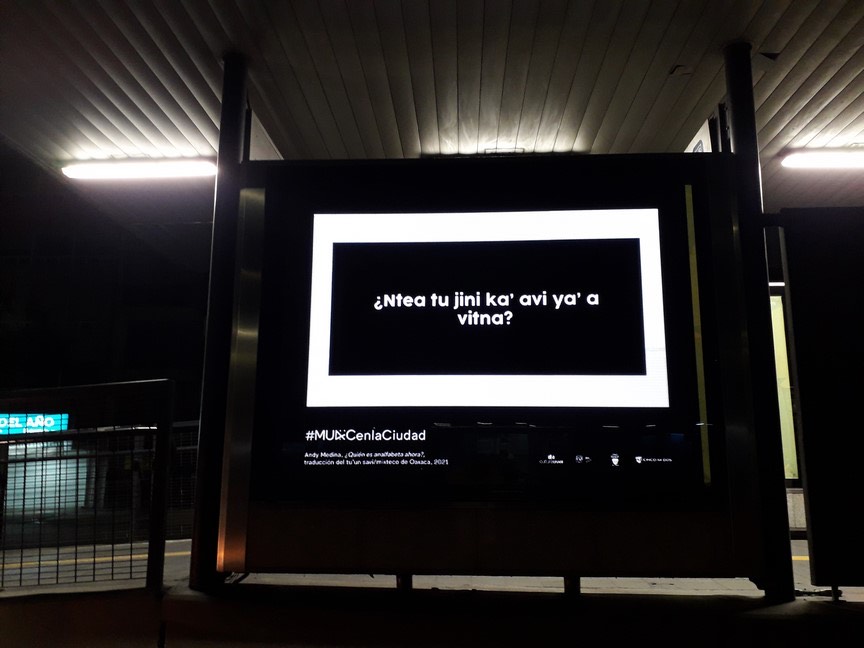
{"x":159,"y":495}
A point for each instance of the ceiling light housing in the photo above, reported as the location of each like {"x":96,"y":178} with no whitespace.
{"x":140,"y":169}
{"x":851,"y":158}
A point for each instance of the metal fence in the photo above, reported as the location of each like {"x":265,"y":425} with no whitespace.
{"x":83,"y":480}
{"x":181,"y":480}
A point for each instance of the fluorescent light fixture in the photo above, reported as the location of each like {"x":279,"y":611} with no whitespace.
{"x":124,"y":170}
{"x":825,"y":159}
{"x":777,"y":284}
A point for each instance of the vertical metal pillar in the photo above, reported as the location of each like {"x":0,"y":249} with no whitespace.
{"x":739,"y":88}
{"x":159,"y":497}
{"x":4,"y":471}
{"x":404,"y":582}
{"x":778,"y":583}
{"x":217,"y":345}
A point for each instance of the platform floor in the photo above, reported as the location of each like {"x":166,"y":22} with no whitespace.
{"x":319,"y":611}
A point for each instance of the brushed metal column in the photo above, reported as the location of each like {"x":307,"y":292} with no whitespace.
{"x":217,"y":346}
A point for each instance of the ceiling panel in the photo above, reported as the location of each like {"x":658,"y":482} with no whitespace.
{"x":469,"y":61}
{"x":343,"y":60}
{"x":403,"y":78}
{"x":664,"y":72}
{"x":631,"y":47}
{"x":571,"y":44}
{"x":372,"y":72}
{"x":496,"y":40}
{"x":650,"y":61}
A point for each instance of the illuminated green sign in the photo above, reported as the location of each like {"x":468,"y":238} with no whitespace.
{"x":32,"y":423}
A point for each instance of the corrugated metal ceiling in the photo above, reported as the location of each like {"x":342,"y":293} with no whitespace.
{"x":403,"y":78}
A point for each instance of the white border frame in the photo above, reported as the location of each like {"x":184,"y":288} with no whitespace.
{"x":650,"y":390}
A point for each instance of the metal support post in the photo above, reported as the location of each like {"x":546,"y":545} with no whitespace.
{"x":572,"y":585}
{"x":778,"y":583}
{"x":217,"y":346}
{"x":404,"y":582}
{"x":159,"y":497}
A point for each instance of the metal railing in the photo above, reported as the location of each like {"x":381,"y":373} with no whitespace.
{"x":181,"y":480}
{"x":85,"y":500}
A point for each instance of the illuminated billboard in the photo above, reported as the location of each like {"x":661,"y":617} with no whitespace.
{"x":490,"y":309}
{"x":488,"y":366}
{"x":530,"y":332}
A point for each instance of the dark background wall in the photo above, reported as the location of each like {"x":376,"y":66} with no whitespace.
{"x":101,"y":283}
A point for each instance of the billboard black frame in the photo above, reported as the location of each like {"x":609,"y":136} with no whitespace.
{"x":724,"y":536}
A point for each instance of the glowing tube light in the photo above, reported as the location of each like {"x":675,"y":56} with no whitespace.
{"x":822,"y":159}
{"x":140,"y":170}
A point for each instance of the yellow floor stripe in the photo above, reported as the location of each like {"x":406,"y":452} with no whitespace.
{"x":89,"y":561}
{"x":168,"y":554}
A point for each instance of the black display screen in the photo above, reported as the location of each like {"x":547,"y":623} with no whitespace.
{"x":503,"y":307}
{"x":532,"y":342}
